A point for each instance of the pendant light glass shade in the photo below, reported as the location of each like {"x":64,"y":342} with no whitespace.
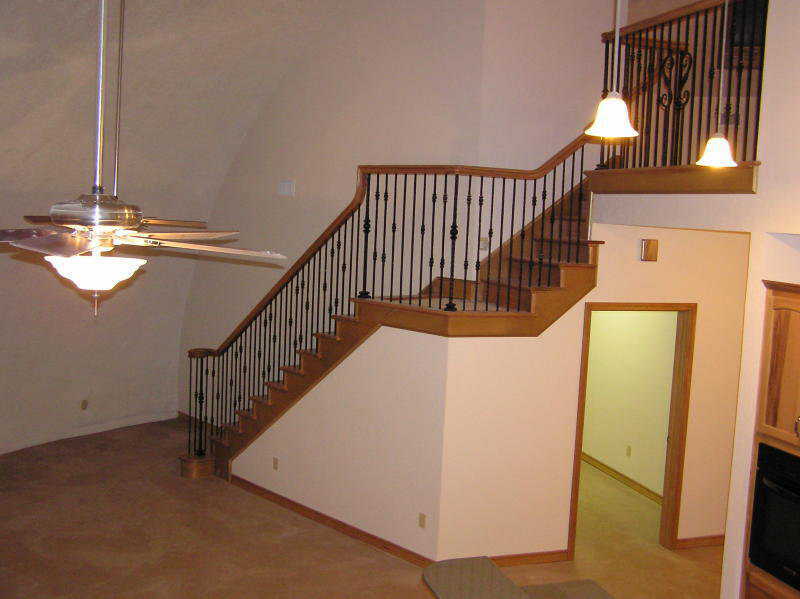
{"x":717,"y":153}
{"x":612,"y":118}
{"x":95,"y":273}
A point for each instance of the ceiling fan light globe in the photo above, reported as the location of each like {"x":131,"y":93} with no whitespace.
{"x":612,"y":119}
{"x":718,"y":153}
{"x":95,"y":273}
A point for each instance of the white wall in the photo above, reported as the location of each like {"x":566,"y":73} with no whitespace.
{"x":365,"y":445}
{"x":628,"y":392}
{"x":505,"y":414}
{"x":773,"y":219}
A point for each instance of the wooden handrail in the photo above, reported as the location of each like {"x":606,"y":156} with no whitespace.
{"x":670,"y":15}
{"x":358,"y":198}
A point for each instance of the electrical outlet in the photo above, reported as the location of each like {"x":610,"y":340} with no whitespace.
{"x":286,"y":189}
{"x":274,"y":463}
{"x":628,"y":451}
{"x":422,"y":520}
{"x":483,"y":243}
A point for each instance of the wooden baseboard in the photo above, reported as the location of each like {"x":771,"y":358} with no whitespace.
{"x":520,"y":559}
{"x":516,"y":559}
{"x":337,"y":525}
{"x":629,"y":482}
{"x":709,"y":541}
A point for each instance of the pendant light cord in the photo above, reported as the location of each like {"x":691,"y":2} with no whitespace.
{"x":119,"y":92}
{"x":721,"y":70}
{"x":615,"y":74}
{"x":101,"y":64}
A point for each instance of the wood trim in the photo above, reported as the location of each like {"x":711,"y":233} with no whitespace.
{"x":625,"y":480}
{"x":678,"y":425}
{"x":688,"y":180}
{"x":337,"y":525}
{"x":692,"y":542}
{"x":195,"y":468}
{"x":678,"y":418}
{"x":782,"y":286}
{"x":521,"y":559}
{"x":670,"y":15}
{"x":482,"y":171}
{"x":771,"y":586}
{"x":515,"y":559}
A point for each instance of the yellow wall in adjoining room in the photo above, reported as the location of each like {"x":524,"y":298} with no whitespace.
{"x":628,"y":391}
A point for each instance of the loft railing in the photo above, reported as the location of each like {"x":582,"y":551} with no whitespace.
{"x":437,"y":237}
{"x":671,"y":70}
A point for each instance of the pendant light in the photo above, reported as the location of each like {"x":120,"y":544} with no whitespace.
{"x":718,"y":152}
{"x":612,"y":119}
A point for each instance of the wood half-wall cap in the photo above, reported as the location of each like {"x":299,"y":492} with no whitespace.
{"x":201,"y":352}
{"x":782,"y":286}
{"x":688,"y":180}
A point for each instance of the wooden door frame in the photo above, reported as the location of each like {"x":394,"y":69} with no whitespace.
{"x":678,"y":414}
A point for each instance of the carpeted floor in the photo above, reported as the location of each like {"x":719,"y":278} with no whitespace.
{"x":107,"y":516}
{"x":616,"y":545}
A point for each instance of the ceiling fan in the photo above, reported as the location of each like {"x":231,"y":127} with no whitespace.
{"x":75,"y":234}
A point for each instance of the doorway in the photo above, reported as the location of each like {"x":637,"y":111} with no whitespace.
{"x":634,"y":403}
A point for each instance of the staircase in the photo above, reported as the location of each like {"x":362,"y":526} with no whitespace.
{"x":444,"y":250}
{"x":474,"y":251}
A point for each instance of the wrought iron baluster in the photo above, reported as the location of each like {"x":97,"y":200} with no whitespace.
{"x":511,"y":244}
{"x":364,"y":293}
{"x":433,"y":230}
{"x":422,"y":234}
{"x":532,"y":242}
{"x":403,"y":238}
{"x":478,"y":284}
{"x":466,"y":246}
{"x":411,"y":241}
{"x":443,"y":237}
{"x":383,"y":242}
{"x":451,"y":306}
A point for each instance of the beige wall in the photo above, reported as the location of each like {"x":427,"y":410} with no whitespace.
{"x":365,"y":445}
{"x":516,"y":462}
{"x":453,"y":81}
{"x":645,"y":9}
{"x":191,"y":94}
{"x":500,"y":427}
{"x":628,"y":392}
{"x":772,"y":218}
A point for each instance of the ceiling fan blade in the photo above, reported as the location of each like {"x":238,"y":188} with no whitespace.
{"x":194,"y":224}
{"x":38,"y":219}
{"x":9,"y":235}
{"x":56,"y":244}
{"x":199,"y":247}
{"x":182,"y":234}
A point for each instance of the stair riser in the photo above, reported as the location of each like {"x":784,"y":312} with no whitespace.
{"x":550,"y":275}
{"x":506,"y":296}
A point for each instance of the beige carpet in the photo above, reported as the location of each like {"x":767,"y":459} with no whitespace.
{"x":106,"y":516}
{"x":617,"y":547}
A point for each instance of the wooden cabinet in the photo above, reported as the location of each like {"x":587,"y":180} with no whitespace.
{"x":779,"y":405}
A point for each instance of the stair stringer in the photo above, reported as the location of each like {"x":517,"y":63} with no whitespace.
{"x":280,"y":397}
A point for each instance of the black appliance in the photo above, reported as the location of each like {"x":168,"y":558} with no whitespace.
{"x":775,"y":529}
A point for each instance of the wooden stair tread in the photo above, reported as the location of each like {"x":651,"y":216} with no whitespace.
{"x":292,"y":370}
{"x":278,"y":386}
{"x":329,"y":336}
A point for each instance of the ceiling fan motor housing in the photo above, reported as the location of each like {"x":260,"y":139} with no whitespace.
{"x":92,"y":210}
